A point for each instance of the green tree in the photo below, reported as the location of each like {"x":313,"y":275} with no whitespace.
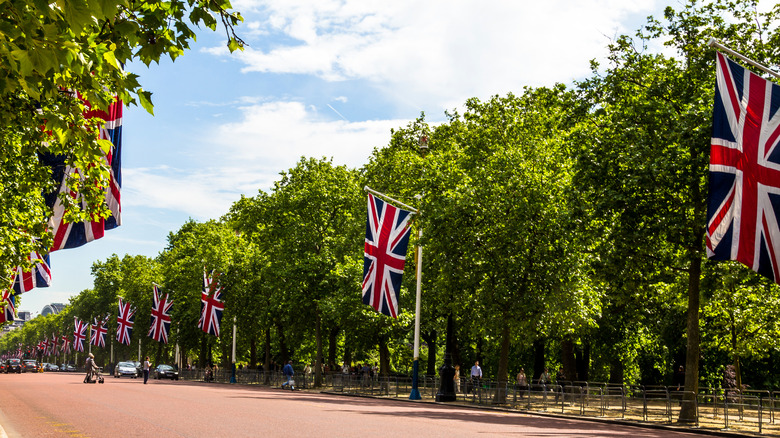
{"x":50,"y":49}
{"x":642,"y":160}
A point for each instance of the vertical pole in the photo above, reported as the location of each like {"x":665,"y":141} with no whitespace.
{"x":139,"y":350}
{"x":111,"y":341}
{"x":234,"y":339}
{"x":233,"y":364}
{"x":415,"y":394}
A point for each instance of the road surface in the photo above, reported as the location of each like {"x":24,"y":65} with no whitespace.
{"x":60,"y":405}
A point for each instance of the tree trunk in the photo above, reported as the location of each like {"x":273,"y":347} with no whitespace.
{"x":430,"y":339}
{"x":318,"y":338}
{"x":333,"y":339}
{"x":252,"y":353}
{"x":616,"y":370}
{"x":568,"y":361}
{"x":384,"y":357}
{"x":688,"y":408}
{"x":503,"y":364}
{"x":267,"y":364}
{"x":284,"y":353}
{"x":539,"y":362}
{"x":583,"y":362}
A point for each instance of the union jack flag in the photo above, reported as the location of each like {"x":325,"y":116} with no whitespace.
{"x":124,"y":322}
{"x":42,"y":347}
{"x":79,"y":335}
{"x":72,"y":235}
{"x":211,"y":305}
{"x":65,"y":349}
{"x":99,"y":332}
{"x":8,"y":302}
{"x":38,"y":276}
{"x":744,"y":199}
{"x":51,"y":345}
{"x":387,"y":238}
{"x":161,"y":317}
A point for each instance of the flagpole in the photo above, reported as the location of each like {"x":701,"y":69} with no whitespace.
{"x":717,"y":45}
{"x":382,"y":195}
{"x":415,"y":394}
{"x":233,"y":372}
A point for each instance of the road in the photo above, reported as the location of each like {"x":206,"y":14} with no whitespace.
{"x":60,"y":405}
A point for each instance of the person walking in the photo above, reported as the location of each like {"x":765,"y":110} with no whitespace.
{"x":147,"y":365}
{"x":288,"y":374}
{"x":476,"y":375}
{"x":522,"y":382}
{"x":456,"y":378}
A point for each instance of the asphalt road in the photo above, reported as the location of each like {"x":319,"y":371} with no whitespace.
{"x":60,"y":405}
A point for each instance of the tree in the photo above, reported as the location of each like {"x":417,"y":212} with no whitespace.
{"x":642,"y":159}
{"x":50,"y":50}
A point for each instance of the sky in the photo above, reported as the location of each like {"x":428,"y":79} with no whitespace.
{"x":325,"y":78}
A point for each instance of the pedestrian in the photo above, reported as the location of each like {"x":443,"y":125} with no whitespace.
{"x":522,"y":382}
{"x":288,"y":374}
{"x":456,"y":378}
{"x":476,"y":375}
{"x":544,"y":378}
{"x":146,"y":369}
{"x":679,"y":378}
{"x":560,"y":379}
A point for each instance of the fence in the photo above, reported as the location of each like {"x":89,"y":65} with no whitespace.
{"x":711,"y":408}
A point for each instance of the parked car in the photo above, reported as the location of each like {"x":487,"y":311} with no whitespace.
{"x":50,"y":367}
{"x":30,"y":365}
{"x":13,"y":366}
{"x":126,"y":369}
{"x":2,"y":366}
{"x":68,"y":367}
{"x":166,"y":372}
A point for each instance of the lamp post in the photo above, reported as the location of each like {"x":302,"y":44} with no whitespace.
{"x":415,"y":394}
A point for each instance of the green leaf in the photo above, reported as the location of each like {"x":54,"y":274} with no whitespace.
{"x":146,"y":101}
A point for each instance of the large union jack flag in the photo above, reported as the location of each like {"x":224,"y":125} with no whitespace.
{"x":38,"y":276}
{"x":161,"y":317}
{"x":387,"y":238}
{"x":744,"y":199}
{"x":72,"y":235}
{"x":99,"y":332}
{"x":211,"y":305}
{"x":124,"y":322}
{"x":8,"y":303}
{"x":79,"y":335}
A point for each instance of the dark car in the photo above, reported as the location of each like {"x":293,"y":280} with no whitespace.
{"x":13,"y":366}
{"x":30,"y":365}
{"x":126,"y":369}
{"x":2,"y":366}
{"x":68,"y":367}
{"x":166,"y":372}
{"x":50,"y":367}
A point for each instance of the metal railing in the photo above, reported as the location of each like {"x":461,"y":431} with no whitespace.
{"x":711,"y":408}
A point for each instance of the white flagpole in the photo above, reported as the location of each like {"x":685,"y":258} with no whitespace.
{"x":382,"y":195}
{"x":717,"y":45}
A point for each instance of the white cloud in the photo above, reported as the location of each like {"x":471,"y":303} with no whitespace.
{"x":437,"y":52}
{"x":247,"y":154}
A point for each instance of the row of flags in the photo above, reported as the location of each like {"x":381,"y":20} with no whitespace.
{"x":212,"y":307}
{"x":72,"y":235}
{"x":743,"y":215}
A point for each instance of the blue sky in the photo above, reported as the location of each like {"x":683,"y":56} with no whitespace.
{"x":322,"y":78}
